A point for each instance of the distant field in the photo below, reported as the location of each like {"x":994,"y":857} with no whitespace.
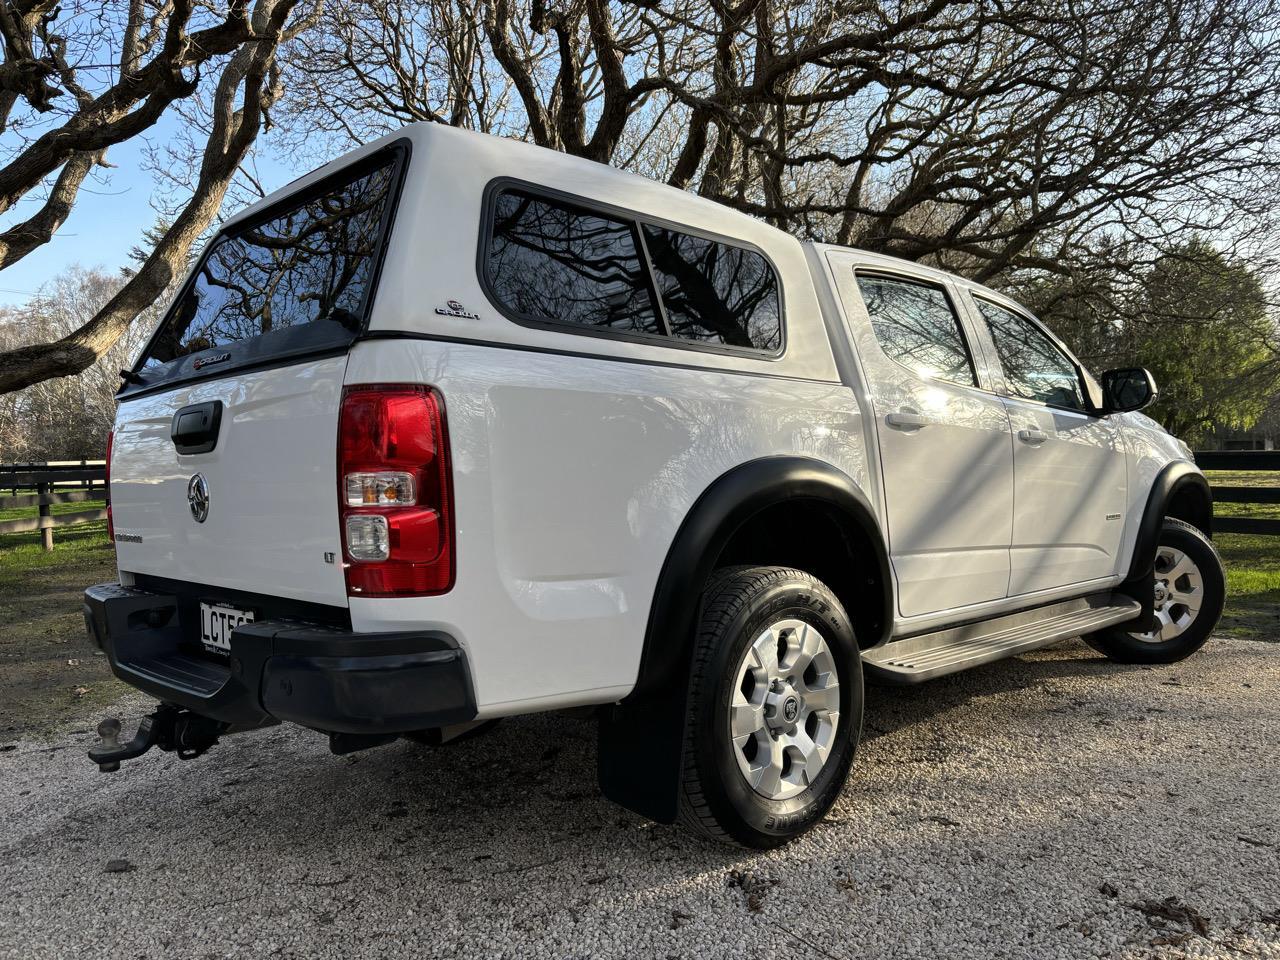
{"x":17,"y":513}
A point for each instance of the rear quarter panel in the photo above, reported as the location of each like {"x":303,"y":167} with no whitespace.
{"x":571,"y":477}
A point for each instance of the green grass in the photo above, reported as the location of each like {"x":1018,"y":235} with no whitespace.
{"x":50,"y":673}
{"x":21,"y":552}
{"x":1252,"y":562}
{"x":17,"y":513}
{"x":1244,"y":478}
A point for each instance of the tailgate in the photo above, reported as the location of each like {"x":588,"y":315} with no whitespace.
{"x":224,"y":463}
{"x":271,"y":480}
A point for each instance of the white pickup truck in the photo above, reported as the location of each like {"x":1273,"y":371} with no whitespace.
{"x":457,"y":428}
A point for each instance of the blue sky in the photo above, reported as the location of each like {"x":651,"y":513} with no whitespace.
{"x":109,"y":217}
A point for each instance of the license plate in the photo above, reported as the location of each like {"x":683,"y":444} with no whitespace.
{"x":217,"y":622}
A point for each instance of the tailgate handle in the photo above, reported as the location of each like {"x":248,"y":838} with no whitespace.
{"x":195,"y":428}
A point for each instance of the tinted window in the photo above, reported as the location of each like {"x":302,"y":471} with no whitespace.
{"x":916,"y":326}
{"x":556,"y":262}
{"x":313,"y":262}
{"x":714,"y":292}
{"x":1034,"y":367}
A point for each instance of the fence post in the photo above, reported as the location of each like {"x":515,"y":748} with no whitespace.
{"x":46,"y":534}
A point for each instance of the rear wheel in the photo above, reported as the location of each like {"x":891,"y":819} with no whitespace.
{"x":775,"y":707}
{"x":1190,"y":589}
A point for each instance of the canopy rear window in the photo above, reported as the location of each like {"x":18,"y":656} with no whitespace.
{"x":297,"y":278}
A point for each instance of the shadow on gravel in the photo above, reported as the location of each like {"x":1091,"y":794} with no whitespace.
{"x":521,"y":799}
{"x":890,"y":707}
{"x":530,"y":783}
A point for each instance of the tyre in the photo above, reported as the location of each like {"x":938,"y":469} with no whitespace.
{"x":1190,"y":592}
{"x":774,"y":707}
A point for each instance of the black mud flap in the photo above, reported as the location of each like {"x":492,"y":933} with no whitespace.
{"x":640,"y":751}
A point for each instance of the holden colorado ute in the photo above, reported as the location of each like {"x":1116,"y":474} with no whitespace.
{"x":457,"y":428}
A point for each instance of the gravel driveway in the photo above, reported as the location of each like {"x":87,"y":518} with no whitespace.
{"x":1052,"y":806}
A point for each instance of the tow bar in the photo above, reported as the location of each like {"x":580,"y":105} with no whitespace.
{"x":170,"y":728}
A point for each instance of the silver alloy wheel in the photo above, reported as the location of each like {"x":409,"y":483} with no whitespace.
{"x":1179,"y":593}
{"x":785,"y":709}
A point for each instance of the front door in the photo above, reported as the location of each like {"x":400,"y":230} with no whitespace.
{"x":1069,"y":466}
{"x":945,"y":449}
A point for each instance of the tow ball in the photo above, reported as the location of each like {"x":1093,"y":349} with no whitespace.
{"x":170,"y":728}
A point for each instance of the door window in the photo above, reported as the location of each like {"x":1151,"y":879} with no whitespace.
{"x":916,"y":326}
{"x":1034,"y":367}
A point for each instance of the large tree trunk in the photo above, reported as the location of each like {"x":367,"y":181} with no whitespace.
{"x":73,"y":354}
{"x":252,"y":68}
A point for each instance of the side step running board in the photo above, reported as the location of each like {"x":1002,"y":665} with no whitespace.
{"x":929,"y":655}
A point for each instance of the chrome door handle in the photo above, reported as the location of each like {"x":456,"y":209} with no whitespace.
{"x":905,"y":420}
{"x":1032,"y":435}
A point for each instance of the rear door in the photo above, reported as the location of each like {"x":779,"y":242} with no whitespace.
{"x":223,"y":467}
{"x":1069,"y":465}
{"x":945,"y":449}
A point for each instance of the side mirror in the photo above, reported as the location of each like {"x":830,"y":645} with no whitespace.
{"x":1130,"y":388}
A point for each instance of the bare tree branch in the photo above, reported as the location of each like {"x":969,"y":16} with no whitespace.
{"x":251,"y":80}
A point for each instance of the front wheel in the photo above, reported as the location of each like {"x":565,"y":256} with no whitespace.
{"x":1190,"y":591}
{"x":775,"y":707}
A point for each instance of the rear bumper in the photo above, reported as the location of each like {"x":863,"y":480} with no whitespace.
{"x":319,"y":676}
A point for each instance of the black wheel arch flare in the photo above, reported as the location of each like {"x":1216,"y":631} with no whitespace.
{"x":640,"y":738}
{"x":1179,"y":490}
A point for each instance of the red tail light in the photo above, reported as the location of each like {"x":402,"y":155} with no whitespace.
{"x":111,"y":528}
{"x":395,"y":492}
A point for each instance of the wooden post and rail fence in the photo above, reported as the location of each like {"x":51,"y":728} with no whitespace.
{"x":66,"y":482}
{"x":1268,"y":460}
{"x":85,"y":481}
